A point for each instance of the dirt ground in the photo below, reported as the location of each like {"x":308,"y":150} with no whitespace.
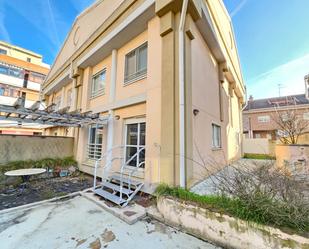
{"x":41,"y":189}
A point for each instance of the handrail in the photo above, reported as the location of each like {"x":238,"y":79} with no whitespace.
{"x":123,"y":164}
{"x":122,"y":168}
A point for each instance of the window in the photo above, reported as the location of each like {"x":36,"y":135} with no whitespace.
{"x":11,"y":71}
{"x":263,"y":119}
{"x":98,"y":84}
{"x":95,"y":140}
{"x":9,"y":91}
{"x":28,"y":59}
{"x":306,"y":116}
{"x":4,"y":69}
{"x":284,"y":117}
{"x":3,"y":51}
{"x":136,"y":64}
{"x":135,"y":140}
{"x":57,"y":102}
{"x":216,"y":136}
{"x":69,"y":97}
{"x":36,"y":77}
{"x":15,"y":72}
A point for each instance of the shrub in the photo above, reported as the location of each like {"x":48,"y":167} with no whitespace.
{"x":50,"y":163}
{"x":263,"y":209}
{"x":259,"y":156}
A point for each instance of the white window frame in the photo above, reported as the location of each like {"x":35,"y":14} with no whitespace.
{"x":128,"y":122}
{"x":98,"y":92}
{"x":94,"y":146}
{"x":139,"y":73}
{"x":263,"y":119}
{"x":69,"y":97}
{"x":214,"y":135}
{"x":57,"y":102}
{"x":306,"y":116}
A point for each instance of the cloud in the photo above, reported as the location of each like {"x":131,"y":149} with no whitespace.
{"x":289,"y":75}
{"x":4,"y":34}
{"x":238,"y":8}
{"x":43,"y":17}
{"x":53,"y":23}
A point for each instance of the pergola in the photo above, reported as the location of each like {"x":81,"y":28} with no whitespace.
{"x":48,"y":116}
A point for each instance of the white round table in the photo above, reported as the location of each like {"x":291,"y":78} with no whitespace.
{"x":25,"y":173}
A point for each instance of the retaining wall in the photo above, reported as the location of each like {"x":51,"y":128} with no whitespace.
{"x":224,"y":230}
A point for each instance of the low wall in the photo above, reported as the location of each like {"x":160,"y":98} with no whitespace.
{"x":15,"y":147}
{"x":296,"y":154}
{"x":258,"y":146}
{"x":224,"y":230}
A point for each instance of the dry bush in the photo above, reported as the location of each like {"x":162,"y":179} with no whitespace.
{"x":276,"y":196}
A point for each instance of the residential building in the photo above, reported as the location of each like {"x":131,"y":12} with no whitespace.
{"x":261,"y":116}
{"x":22,"y":73}
{"x":166,"y":74}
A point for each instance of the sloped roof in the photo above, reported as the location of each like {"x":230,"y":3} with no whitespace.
{"x":283,"y":101}
{"x":83,"y":27}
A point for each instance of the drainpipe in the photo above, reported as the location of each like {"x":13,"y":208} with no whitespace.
{"x":182,"y":138}
{"x":110,"y":123}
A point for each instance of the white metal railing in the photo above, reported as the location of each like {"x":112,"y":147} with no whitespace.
{"x":124,"y":161}
{"x":94,"y":151}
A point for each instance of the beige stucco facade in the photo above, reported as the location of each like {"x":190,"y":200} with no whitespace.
{"x":213,"y":89}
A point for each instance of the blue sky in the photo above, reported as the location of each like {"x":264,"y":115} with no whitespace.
{"x":272,"y":36}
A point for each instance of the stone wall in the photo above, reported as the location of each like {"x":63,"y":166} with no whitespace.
{"x":225,"y":230}
{"x":16,"y":147}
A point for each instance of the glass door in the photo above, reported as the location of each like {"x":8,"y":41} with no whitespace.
{"x":135,"y":140}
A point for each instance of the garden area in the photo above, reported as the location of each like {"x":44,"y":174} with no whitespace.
{"x":263,"y":194}
{"x":60,"y":178}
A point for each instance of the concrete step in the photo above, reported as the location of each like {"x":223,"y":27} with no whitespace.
{"x":113,"y":198}
{"x":125,"y":180}
{"x":116,"y":187}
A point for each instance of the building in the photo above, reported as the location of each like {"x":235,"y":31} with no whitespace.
{"x":166,"y":74}
{"x":260,"y":116}
{"x":22,"y":73}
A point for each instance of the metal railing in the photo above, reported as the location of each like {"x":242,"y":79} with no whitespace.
{"x":94,"y":151}
{"x":124,"y":161}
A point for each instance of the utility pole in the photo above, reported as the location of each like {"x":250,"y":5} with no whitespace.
{"x":280,"y":86}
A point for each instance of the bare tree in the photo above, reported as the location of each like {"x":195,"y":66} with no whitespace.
{"x":291,"y":124}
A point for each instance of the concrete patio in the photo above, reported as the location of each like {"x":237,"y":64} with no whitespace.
{"x":81,"y":223}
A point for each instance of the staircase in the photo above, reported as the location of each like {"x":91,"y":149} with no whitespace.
{"x":118,"y":187}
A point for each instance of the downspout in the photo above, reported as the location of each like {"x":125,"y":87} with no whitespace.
{"x":182,"y":138}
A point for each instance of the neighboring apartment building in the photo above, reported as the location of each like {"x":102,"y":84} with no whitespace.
{"x":22,"y":73}
{"x":168,"y":78}
{"x":260,"y":115}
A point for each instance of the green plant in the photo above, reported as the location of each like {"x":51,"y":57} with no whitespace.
{"x":263,"y":210}
{"x":49,"y":163}
{"x":259,"y":156}
{"x":68,"y":161}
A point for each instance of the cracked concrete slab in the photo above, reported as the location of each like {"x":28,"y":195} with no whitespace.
{"x":81,"y":223}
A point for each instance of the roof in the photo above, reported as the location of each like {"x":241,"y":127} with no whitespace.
{"x":26,"y":51}
{"x":283,"y":101}
{"x":84,"y":26}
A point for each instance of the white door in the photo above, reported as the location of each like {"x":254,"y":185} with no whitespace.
{"x":135,"y":141}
